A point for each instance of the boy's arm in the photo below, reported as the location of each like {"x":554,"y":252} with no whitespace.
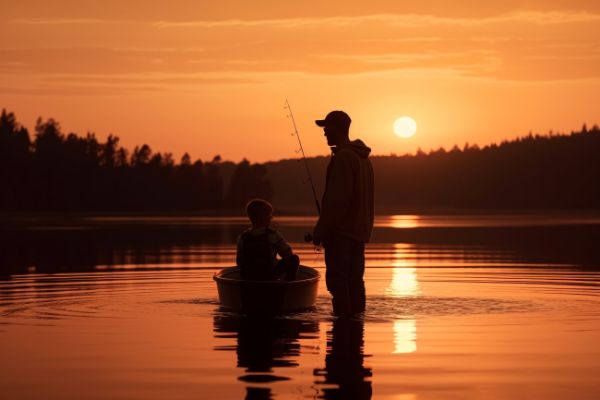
{"x":283,"y":248}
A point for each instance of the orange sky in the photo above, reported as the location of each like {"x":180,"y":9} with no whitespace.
{"x":212,"y":77}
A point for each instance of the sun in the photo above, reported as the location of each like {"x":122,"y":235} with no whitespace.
{"x":405,"y":127}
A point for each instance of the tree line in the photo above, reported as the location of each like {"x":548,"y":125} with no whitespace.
{"x":53,"y":171}
{"x":550,"y":171}
{"x":560,"y":171}
{"x":61,"y":172}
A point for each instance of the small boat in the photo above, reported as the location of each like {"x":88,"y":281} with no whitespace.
{"x":269,"y":296}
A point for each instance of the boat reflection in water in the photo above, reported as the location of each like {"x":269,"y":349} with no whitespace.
{"x":263,"y":344}
{"x":344,"y":370}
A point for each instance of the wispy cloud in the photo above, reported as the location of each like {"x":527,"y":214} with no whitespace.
{"x":400,"y":20}
{"x":57,"y":84}
{"x":68,"y":21}
{"x":503,"y":46}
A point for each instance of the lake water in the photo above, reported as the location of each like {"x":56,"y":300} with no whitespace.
{"x":459,"y":307}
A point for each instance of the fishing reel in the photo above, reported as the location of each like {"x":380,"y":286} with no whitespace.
{"x":308,"y":237}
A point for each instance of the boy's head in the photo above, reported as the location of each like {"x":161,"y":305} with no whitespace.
{"x":259,"y":212}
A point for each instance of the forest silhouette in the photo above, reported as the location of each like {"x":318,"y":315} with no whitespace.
{"x":57,"y":172}
{"x":553,"y":171}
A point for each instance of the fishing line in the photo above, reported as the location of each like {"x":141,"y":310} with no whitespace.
{"x":297,"y":134}
{"x":308,"y":236}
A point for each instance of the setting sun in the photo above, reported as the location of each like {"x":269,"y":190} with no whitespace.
{"x":405,"y":127}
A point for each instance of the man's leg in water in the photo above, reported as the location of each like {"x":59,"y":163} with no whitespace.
{"x":337,"y":261}
{"x":356,"y":280}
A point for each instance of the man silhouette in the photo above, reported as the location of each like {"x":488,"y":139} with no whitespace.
{"x":346,"y":219}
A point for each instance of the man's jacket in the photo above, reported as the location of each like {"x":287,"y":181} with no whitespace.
{"x":347,"y":204}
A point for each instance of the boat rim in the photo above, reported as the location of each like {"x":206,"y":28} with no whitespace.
{"x":222,"y":279}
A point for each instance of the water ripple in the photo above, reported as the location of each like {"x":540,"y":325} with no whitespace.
{"x":27,"y":299}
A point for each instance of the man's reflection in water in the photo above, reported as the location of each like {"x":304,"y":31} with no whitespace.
{"x":344,"y":362}
{"x":263,"y":343}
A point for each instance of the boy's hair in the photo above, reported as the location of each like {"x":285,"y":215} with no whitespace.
{"x":258,"y":209}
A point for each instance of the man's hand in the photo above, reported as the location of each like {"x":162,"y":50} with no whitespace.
{"x":308,"y":238}
{"x":317,"y":239}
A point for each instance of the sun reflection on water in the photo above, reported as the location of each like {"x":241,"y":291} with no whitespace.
{"x":404,"y":274}
{"x":405,"y":336}
{"x":403,"y":221}
{"x":405,"y":396}
{"x":404,"y":283}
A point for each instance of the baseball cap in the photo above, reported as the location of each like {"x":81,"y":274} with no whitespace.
{"x":336,"y":118}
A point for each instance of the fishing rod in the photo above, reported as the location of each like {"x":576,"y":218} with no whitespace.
{"x":297,"y":134}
